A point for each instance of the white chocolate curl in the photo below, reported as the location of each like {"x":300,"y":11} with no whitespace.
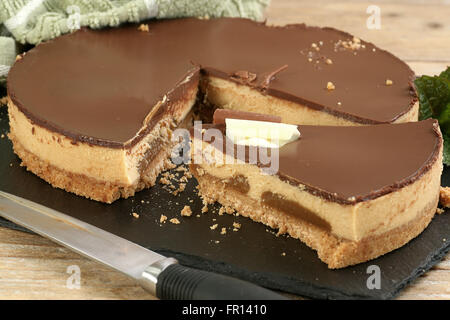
{"x":260,"y":133}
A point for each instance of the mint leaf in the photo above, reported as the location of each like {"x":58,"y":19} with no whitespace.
{"x":445,"y":74}
{"x":434,"y":99}
{"x":446,"y":150}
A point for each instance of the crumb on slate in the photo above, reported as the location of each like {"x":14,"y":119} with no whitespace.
{"x":186,"y":212}
{"x":164,"y":180}
{"x":444,"y":197}
{"x":214,"y":226}
{"x":4,"y":101}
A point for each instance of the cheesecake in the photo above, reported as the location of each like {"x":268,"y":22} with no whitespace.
{"x":93,"y":112}
{"x":352,"y":193}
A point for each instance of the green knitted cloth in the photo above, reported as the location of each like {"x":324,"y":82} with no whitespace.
{"x":33,"y":21}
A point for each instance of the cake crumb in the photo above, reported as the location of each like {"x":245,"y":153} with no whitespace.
{"x":236,"y":225}
{"x":330,"y":86}
{"x":329,"y":61}
{"x":4,"y":101}
{"x":283,"y":254}
{"x":170,"y":165}
{"x":229,"y":210}
{"x":164,"y":180}
{"x":174,"y":221}
{"x":144,"y":27}
{"x":205,"y":207}
{"x":354,"y":44}
{"x":2,"y":136}
{"x":444,"y":197}
{"x":136,"y":215}
{"x":221,"y":211}
{"x":181,"y":168}
{"x":162,"y":219}
{"x":339,"y":103}
{"x":439,"y":210}
{"x":214,"y":226}
{"x":217,"y":241}
{"x":389,"y":82}
{"x":223,"y":231}
{"x":186,"y":212}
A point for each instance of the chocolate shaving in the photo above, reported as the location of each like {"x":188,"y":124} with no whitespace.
{"x":244,"y":77}
{"x":271,"y":76}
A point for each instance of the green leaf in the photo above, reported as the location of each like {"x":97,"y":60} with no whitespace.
{"x":444,"y":119}
{"x":446,"y":150}
{"x":445,"y":74}
{"x":434,"y":99}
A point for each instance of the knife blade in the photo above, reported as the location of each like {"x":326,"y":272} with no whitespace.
{"x":161,"y":276}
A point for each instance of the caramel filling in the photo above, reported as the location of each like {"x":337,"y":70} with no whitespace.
{"x":238,"y":183}
{"x":292,"y":208}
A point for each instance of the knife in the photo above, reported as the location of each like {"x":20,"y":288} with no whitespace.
{"x":163,"y":277}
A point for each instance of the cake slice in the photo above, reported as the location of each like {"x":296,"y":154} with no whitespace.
{"x":350,"y":193}
{"x":98,"y":168}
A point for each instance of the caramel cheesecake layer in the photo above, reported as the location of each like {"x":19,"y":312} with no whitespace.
{"x":99,"y":86}
{"x":344,"y":184}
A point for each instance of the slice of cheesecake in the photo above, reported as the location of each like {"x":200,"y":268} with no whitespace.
{"x":91,"y":112}
{"x":350,"y":193}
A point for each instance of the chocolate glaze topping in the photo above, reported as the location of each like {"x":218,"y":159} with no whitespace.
{"x":358,"y":163}
{"x":99,"y":85}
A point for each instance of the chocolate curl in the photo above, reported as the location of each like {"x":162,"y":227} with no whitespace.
{"x":244,"y":77}
{"x":221,"y":114}
{"x":270,"y":77}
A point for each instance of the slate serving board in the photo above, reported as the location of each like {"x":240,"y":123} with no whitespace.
{"x":253,"y":253}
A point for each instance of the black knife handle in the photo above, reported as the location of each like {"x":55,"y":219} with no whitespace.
{"x":177,"y":282}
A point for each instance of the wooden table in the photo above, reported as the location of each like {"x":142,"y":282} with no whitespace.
{"x":417,"y":31}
